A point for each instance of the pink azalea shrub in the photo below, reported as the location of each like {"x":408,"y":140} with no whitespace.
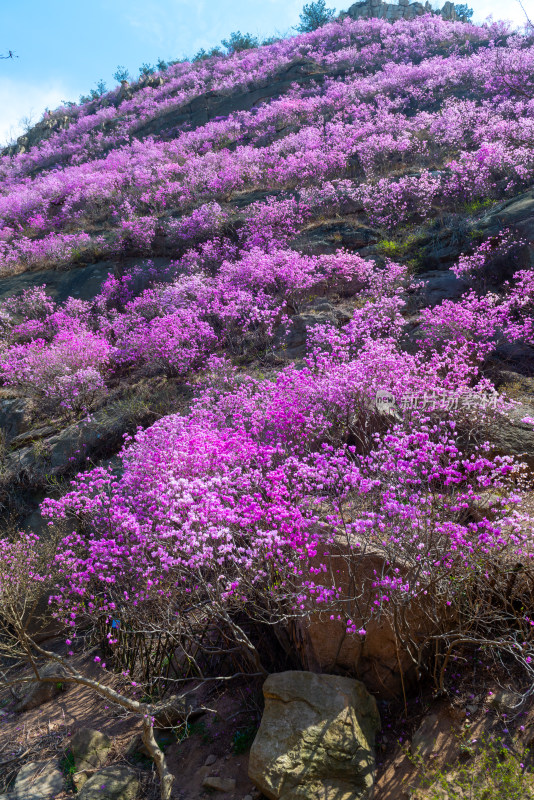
{"x":174,"y":343}
{"x":258,"y":482}
{"x":264,"y":477}
{"x":67,"y":369}
{"x":203,"y":223}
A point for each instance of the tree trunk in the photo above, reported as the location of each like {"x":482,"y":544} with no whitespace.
{"x":165,"y":778}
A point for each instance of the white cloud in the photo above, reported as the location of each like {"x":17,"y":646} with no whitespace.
{"x":20,"y":99}
{"x":510,"y":11}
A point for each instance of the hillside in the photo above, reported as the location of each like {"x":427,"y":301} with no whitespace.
{"x":267,"y":387}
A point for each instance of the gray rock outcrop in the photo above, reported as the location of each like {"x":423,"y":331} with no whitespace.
{"x":13,"y":416}
{"x":516,"y":214}
{"x":404,"y":10}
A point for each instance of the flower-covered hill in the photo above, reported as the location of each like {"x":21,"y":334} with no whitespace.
{"x":416,"y":115}
{"x":314,"y":327}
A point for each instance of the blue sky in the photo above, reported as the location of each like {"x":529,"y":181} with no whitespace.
{"x":66,"y":46}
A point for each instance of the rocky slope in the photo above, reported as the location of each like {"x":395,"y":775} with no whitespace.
{"x":275,"y":312}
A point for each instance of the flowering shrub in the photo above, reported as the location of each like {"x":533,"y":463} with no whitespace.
{"x":67,"y":369}
{"x":53,"y":248}
{"x":271,"y":224}
{"x":174,"y":343}
{"x":202,"y":469}
{"x":409,"y":198}
{"x":204,"y":222}
{"x":475,"y":267}
{"x":228,"y":498}
{"x":263,"y":477}
{"x":137,"y":233}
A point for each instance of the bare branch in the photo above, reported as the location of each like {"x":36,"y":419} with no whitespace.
{"x":525,"y":13}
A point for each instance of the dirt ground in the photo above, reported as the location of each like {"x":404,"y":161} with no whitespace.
{"x":217,"y":743}
{"x":221,"y":737}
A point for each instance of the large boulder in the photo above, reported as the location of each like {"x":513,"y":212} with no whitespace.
{"x":516,"y":215}
{"x":513,"y":358}
{"x":111,"y":783}
{"x":89,"y":748}
{"x":328,"y":237}
{"x":378,"y":659}
{"x":40,"y":692}
{"x":316,"y":738}
{"x":83,"y":282}
{"x":508,"y":433}
{"x":39,"y":780}
{"x":439,"y":285}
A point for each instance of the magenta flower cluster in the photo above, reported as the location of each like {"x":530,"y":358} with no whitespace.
{"x":241,"y":501}
{"x":247,"y":493}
